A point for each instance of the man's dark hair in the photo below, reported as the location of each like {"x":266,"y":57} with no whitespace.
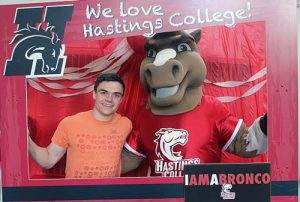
{"x":109,"y":77}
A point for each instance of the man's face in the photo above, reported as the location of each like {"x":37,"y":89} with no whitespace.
{"x":107,"y":99}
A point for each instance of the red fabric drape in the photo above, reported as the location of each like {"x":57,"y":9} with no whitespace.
{"x":135,"y":96}
{"x":230,"y":54}
{"x":234,"y":54}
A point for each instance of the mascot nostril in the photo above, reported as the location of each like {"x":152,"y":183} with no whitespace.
{"x":180,"y":125}
{"x":175,"y":70}
{"x":148,"y":74}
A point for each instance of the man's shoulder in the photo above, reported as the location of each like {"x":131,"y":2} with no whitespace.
{"x":121,"y":118}
{"x":77,"y":117}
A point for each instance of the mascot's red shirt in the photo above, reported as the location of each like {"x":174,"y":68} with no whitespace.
{"x":170,"y":142}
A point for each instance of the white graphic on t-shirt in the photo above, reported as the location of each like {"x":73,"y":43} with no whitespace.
{"x":167,"y":139}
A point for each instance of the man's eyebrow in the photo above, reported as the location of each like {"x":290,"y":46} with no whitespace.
{"x":101,"y":89}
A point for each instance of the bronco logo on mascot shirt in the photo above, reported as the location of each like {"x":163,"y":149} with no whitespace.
{"x":39,"y":52}
{"x":167,"y":139}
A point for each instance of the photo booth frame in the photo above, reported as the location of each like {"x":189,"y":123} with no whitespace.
{"x":282,"y":93}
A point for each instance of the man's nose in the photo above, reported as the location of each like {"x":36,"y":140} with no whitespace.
{"x":109,"y":97}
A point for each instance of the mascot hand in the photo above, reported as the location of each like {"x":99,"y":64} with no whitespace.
{"x":263,"y":123}
{"x":251,"y":142}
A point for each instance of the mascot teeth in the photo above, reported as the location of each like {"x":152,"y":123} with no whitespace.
{"x":166,"y":92}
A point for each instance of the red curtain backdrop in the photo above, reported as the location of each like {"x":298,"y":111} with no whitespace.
{"x":231,"y":54}
{"x":235,"y":54}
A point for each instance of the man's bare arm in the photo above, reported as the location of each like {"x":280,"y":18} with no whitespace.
{"x":46,"y":157}
{"x":130,"y":161}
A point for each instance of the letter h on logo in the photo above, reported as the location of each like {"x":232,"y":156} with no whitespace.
{"x":38,"y":52}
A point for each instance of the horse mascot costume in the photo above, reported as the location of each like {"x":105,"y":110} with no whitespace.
{"x":180,"y":125}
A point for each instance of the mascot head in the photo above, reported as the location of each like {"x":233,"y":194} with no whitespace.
{"x":173,"y":72}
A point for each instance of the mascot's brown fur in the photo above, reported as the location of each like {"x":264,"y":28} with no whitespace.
{"x":172,"y":74}
{"x":187,"y":71}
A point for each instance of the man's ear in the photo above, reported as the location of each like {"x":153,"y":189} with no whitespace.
{"x":94,"y":95}
{"x":197,"y":35}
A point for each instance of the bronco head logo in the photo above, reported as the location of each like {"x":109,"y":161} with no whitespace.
{"x":226,"y":192}
{"x":226,"y":188}
{"x":167,"y":139}
{"x":37,"y":51}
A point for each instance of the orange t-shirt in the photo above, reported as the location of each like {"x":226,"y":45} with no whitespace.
{"x":93,"y":147}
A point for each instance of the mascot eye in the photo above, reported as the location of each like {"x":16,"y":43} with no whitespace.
{"x":183,"y":47}
{"x":151,"y":53}
{"x":53,"y":53}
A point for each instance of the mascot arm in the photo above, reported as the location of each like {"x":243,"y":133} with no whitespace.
{"x":250,"y":142}
{"x":130,"y":161}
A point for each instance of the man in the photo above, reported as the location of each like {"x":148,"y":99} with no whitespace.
{"x":93,"y":139}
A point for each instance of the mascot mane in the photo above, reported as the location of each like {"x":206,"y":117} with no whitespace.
{"x":39,"y":31}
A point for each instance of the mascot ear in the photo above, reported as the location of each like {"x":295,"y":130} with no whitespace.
{"x":197,"y":35}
